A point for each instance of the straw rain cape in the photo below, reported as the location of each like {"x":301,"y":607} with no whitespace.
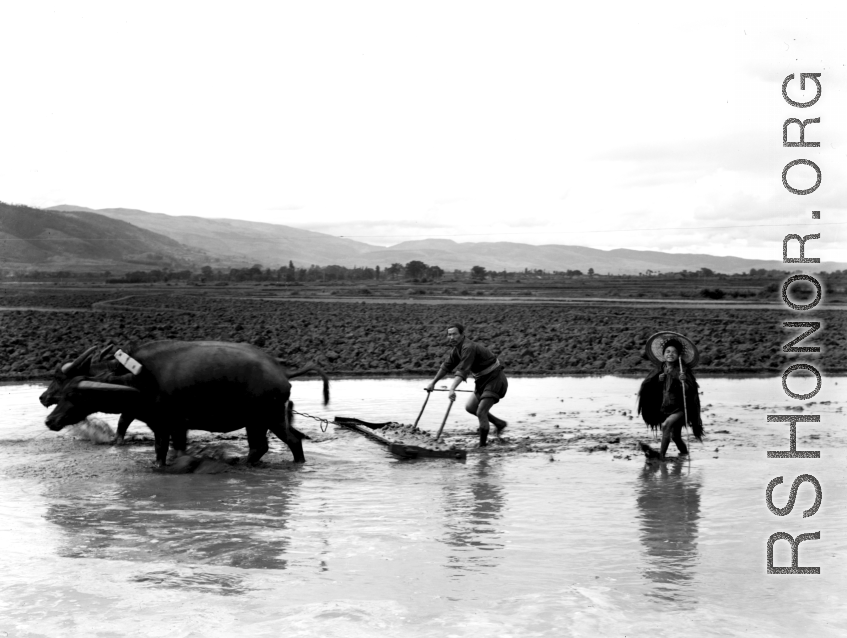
{"x":651,"y":394}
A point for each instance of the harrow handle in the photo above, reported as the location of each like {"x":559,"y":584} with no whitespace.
{"x":438,"y":436}
{"x":420,"y":414}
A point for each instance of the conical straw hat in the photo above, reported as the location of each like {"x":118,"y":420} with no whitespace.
{"x":656,"y":346}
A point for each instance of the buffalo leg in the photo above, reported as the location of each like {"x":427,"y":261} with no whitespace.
{"x":123,"y":426}
{"x":179,"y":438}
{"x":162,"y":438}
{"x":292,"y":440}
{"x":257,"y":439}
{"x":293,"y":437}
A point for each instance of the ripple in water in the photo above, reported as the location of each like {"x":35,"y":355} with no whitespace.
{"x":186,"y":579}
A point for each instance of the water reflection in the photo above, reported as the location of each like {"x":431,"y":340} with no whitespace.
{"x":669,"y":510}
{"x":473,"y":509}
{"x":238,"y":521}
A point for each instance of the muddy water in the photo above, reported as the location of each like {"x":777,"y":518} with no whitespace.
{"x":561,"y":529}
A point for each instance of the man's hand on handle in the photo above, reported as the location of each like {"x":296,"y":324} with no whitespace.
{"x":430,"y":387}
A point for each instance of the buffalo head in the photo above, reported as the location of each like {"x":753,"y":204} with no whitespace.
{"x":81,"y":397}
{"x":83,"y":366}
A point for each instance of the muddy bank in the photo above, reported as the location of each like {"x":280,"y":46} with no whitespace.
{"x":392,"y":339}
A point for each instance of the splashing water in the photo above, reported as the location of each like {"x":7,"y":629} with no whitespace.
{"x":94,"y":430}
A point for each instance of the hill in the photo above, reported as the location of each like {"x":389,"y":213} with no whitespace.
{"x":241,"y":243}
{"x":229,"y":242}
{"x":71,"y":240}
{"x":515,"y":257}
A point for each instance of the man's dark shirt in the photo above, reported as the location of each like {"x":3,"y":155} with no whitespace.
{"x":672,"y":400}
{"x":467,"y":358}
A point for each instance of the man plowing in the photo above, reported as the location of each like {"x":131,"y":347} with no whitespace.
{"x":490,"y":383}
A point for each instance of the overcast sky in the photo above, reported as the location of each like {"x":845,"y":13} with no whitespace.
{"x":634,"y":125}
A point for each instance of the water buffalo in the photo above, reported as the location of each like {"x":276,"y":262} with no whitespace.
{"x":201,"y":385}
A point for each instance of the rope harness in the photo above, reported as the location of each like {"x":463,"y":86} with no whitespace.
{"x":323,"y":422}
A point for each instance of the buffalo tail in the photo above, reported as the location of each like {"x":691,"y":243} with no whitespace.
{"x":312,"y":367}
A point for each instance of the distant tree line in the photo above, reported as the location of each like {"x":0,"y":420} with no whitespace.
{"x":292,"y":274}
{"x":152,"y":276}
{"x":415,"y":270}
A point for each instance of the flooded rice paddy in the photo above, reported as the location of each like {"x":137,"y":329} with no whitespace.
{"x":560,"y":529}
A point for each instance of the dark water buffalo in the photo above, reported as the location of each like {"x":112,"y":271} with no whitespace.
{"x":201,"y":385}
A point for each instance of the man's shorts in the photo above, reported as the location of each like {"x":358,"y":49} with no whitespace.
{"x":491,"y":386}
{"x":666,"y":415}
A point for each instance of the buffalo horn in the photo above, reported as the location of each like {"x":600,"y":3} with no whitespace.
{"x":105,"y":352}
{"x":68,"y":367}
{"x":97,"y":385}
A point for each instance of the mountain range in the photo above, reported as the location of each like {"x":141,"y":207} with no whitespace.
{"x":74,"y":240}
{"x":74,"y":237}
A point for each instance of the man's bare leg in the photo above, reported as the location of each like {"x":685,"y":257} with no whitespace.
{"x":498,"y":423}
{"x":473,"y":406}
{"x":667,"y":431}
{"x":484,"y":417}
{"x":676,"y":437}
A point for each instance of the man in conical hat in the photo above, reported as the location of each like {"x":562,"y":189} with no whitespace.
{"x":670,"y":394}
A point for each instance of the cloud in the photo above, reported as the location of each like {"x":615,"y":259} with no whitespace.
{"x":751,"y":151}
{"x":775,"y":206}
